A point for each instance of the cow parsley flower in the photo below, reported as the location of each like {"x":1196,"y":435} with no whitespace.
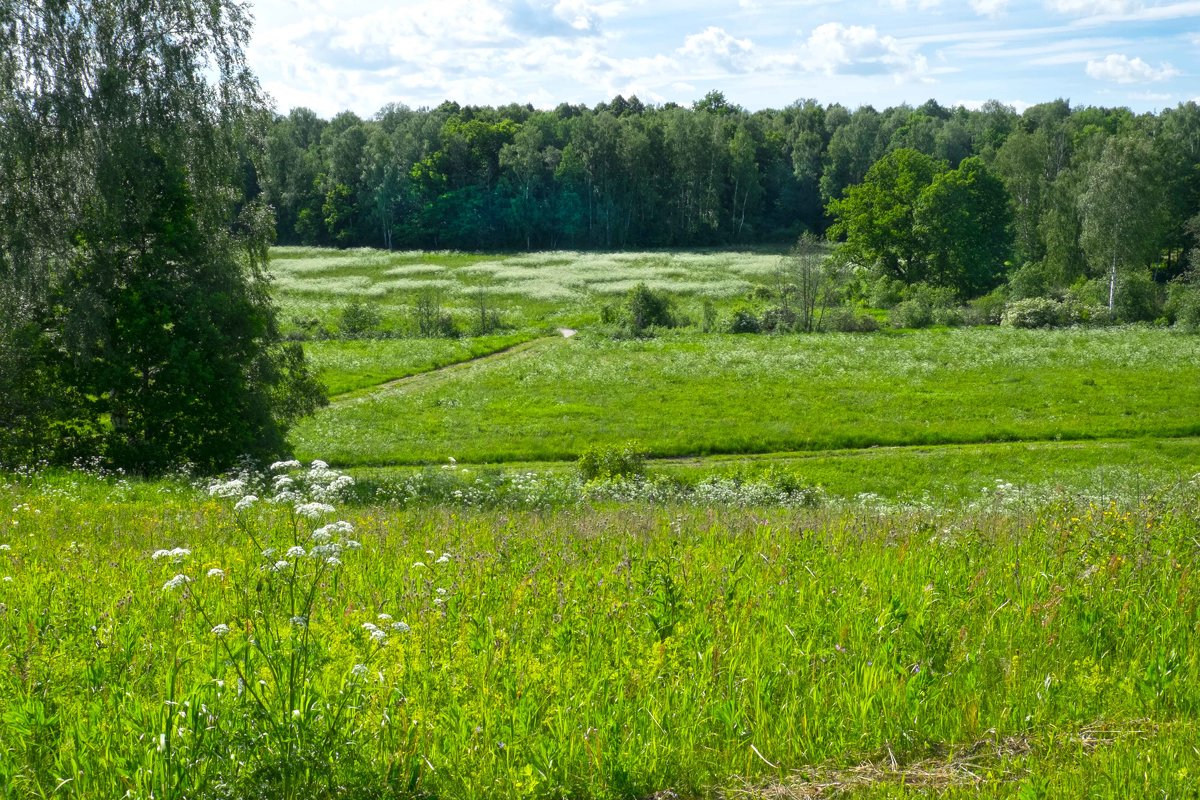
{"x":281,"y":565}
{"x":402,"y":627}
{"x":176,"y":582}
{"x":176,"y":554}
{"x":295,"y":551}
{"x":444,"y":559}
{"x":220,"y":630}
{"x":359,"y":670}
{"x":314,"y":510}
{"x":384,"y":617}
{"x":216,"y":572}
{"x":279,"y":466}
{"x":245,"y":502}
{"x":333,"y":561}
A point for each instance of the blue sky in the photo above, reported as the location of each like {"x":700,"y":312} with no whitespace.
{"x":334,"y":55}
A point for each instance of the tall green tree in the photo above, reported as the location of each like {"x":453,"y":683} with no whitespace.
{"x":877,"y":217}
{"x":965,"y":224}
{"x":139,"y":274}
{"x":1122,"y":211}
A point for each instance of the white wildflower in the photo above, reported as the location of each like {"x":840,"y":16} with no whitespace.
{"x":284,"y":497}
{"x":8,"y":578}
{"x":318,"y":464}
{"x":295,"y":713}
{"x":314,"y":510}
{"x":359,"y":670}
{"x":299,"y":621}
{"x":295,"y":551}
{"x":378,"y":636}
{"x":350,"y":544}
{"x":370,"y":627}
{"x":220,"y":630}
{"x":245,"y":502}
{"x":440,"y":591}
{"x":229,"y":488}
{"x":285,"y":465}
{"x":216,"y":572}
{"x":281,"y":565}
{"x":176,"y":582}
{"x":333,"y":561}
{"x":5,"y":547}
{"x":402,"y":627}
{"x":268,"y":552}
{"x":176,"y":554}
{"x":419,"y":565}
{"x":282,"y":482}
{"x":444,"y":559}
{"x":384,"y":618}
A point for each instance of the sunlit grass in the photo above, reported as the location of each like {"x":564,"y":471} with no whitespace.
{"x":599,"y":653}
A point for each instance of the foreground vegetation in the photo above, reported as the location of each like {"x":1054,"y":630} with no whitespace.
{"x":161,"y":641}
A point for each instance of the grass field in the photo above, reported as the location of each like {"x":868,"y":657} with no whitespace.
{"x":992,"y":593}
{"x":708,"y":394}
{"x":615,"y":652}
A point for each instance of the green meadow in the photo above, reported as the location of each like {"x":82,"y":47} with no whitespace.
{"x":957,"y":562}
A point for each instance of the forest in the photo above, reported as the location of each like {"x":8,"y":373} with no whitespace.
{"x":1059,"y":193}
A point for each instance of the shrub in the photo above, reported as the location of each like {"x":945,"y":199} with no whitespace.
{"x":1183,"y":303}
{"x":1033,"y":312}
{"x":950,"y":317}
{"x":885,"y":292}
{"x":744,"y":321}
{"x":358,"y":319}
{"x":917,"y":313}
{"x":1137,"y":297}
{"x":845,"y":320}
{"x":986,"y":310}
{"x":604,"y":462}
{"x":1030,"y":280}
{"x":648,"y":308}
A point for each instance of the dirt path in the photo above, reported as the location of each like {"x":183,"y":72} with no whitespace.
{"x":436,"y":376}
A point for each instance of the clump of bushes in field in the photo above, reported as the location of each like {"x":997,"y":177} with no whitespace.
{"x":640,"y":313}
{"x":604,"y":462}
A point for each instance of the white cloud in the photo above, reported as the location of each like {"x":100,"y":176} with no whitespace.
{"x":834,"y":48}
{"x":715,"y":45}
{"x":1123,"y":69}
{"x":904,"y":5}
{"x":1091,"y":7}
{"x":989,"y":8}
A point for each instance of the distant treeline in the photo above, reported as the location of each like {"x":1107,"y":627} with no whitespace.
{"x":627,"y":175}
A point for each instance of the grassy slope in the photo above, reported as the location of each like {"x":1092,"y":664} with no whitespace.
{"x":348,"y":365}
{"x":605,"y":653}
{"x":696,"y":394}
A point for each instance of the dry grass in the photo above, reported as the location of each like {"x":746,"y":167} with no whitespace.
{"x":990,"y":761}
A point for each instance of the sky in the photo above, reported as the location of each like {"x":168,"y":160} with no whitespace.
{"x":360,"y":55}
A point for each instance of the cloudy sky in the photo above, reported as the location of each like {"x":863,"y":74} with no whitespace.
{"x":333,"y":55}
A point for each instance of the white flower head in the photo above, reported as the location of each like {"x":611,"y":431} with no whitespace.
{"x":176,"y":554}
{"x":299,"y":621}
{"x":314,"y":510}
{"x":402,"y":627}
{"x":333,"y":561}
{"x":384,"y":617}
{"x":419,"y":565}
{"x":176,"y":582}
{"x":245,"y":502}
{"x":220,"y":630}
{"x":443,"y":559}
{"x":281,"y":565}
{"x":295,"y":551}
{"x":378,"y":636}
{"x":359,"y":670}
{"x":216,"y":572}
{"x":283,"y":466}
{"x":229,"y":488}
{"x":318,"y":464}
{"x":370,"y":627}
{"x":5,"y":547}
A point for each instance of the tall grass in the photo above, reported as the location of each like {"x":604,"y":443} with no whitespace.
{"x":612,"y":652}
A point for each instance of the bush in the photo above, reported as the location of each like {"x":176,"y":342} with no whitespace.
{"x":358,"y":319}
{"x":1030,"y":280}
{"x":1183,"y":303}
{"x":604,"y":462}
{"x":986,"y":310}
{"x":744,"y":321}
{"x":885,"y":292}
{"x":950,"y":317}
{"x":845,"y":320}
{"x":648,"y":308}
{"x":1034,"y":312}
{"x":911,"y":314}
{"x":1137,"y":297}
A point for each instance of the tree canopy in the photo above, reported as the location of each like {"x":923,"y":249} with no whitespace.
{"x":137,"y":324}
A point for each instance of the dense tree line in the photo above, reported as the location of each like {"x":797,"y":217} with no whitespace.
{"x":1055,"y":193}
